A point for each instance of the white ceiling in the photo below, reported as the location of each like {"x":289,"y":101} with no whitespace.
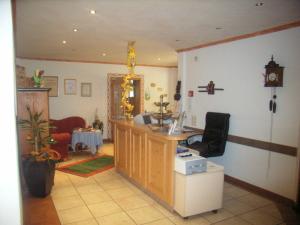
{"x":159,"y":27}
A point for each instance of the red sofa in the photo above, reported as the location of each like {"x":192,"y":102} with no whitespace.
{"x":62,"y":133}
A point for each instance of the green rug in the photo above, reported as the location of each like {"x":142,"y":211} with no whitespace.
{"x":89,"y":167}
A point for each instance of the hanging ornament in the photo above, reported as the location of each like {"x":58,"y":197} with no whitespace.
{"x":127,"y":85}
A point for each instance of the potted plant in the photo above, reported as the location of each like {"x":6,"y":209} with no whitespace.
{"x":39,"y":165}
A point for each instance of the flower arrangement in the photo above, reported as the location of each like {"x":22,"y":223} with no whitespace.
{"x":37,"y":78}
{"x":127,"y":85}
{"x":39,"y":136}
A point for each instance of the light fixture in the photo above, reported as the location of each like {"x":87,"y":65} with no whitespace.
{"x":103,"y":54}
{"x":158,"y":59}
{"x":92,"y":11}
{"x":259,"y":4}
{"x":75,"y":29}
{"x":219,"y":28}
{"x":64,"y":42}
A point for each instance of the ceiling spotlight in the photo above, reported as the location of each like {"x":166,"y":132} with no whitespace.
{"x":219,"y":28}
{"x":158,"y":59}
{"x":75,"y":29}
{"x":92,"y":11}
{"x":64,"y":42}
{"x":103,"y":54}
{"x":177,"y":40}
{"x":259,"y":4}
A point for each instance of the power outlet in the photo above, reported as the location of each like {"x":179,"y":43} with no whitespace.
{"x":194,"y":120}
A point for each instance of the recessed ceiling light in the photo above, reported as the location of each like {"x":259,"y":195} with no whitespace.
{"x":75,"y":29}
{"x":103,"y":54}
{"x":219,"y":28}
{"x":177,"y":40}
{"x":92,"y":11}
{"x":64,"y":42}
{"x":259,"y":4}
{"x":158,"y":59}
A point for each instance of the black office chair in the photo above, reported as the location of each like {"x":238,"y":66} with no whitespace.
{"x":214,"y":137}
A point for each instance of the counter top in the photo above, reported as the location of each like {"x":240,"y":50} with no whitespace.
{"x":148,"y":130}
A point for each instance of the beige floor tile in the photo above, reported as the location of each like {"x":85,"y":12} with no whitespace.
{"x":135,"y":189}
{"x":254,"y":200}
{"x":95,"y":197}
{"x":63,"y":191}
{"x":147,"y":198}
{"x":81,"y":181}
{"x":103,"y":177}
{"x":62,"y":203}
{"x":235,"y":192}
{"x":236,"y":207}
{"x":86,"y":222}
{"x":222,"y":214}
{"x":193,"y":220}
{"x":233,"y":221}
{"x":145,"y":214}
{"x":74,"y":215}
{"x":272,"y":210}
{"x":120,"y":193}
{"x":89,"y":188}
{"x":164,"y":211}
{"x":161,"y":222}
{"x":113,"y":184}
{"x":131,"y":202}
{"x":227,"y":185}
{"x":104,"y":208}
{"x":62,"y":183}
{"x":258,"y":217}
{"x":116,"y":219}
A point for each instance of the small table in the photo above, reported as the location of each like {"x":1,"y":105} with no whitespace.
{"x":91,"y":138}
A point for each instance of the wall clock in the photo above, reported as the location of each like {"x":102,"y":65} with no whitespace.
{"x":274,"y":74}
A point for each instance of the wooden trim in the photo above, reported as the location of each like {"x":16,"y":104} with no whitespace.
{"x":244,"y":36}
{"x":283,"y":149}
{"x":90,"y":61}
{"x":260,"y":191}
{"x":33,"y":89}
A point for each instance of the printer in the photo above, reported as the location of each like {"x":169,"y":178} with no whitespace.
{"x":188,"y":163}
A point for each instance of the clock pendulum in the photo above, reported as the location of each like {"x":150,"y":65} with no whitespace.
{"x":272,"y":103}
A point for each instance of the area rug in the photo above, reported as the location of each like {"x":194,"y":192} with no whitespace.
{"x":89,"y":167}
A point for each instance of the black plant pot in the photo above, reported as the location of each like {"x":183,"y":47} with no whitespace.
{"x":39,"y":176}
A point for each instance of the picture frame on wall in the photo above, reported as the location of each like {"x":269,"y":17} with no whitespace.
{"x":86,"y":89}
{"x":70,"y":86}
{"x":51,"y":82}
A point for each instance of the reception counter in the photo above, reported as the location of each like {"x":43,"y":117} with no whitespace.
{"x":146,"y":157}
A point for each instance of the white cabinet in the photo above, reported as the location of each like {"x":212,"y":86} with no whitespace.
{"x":200,"y":192}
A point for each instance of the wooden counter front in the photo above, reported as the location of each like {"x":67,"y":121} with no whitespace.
{"x":146,"y":157}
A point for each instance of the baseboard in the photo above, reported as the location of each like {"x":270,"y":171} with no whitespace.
{"x":107,"y":140}
{"x":260,"y":191}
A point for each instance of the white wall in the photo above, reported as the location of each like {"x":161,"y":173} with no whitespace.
{"x":238,"y":67}
{"x":75,"y":105}
{"x":10,"y":204}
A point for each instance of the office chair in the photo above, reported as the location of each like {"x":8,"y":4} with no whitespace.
{"x":214,"y":137}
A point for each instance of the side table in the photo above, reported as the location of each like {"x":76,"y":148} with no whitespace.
{"x":91,"y":138}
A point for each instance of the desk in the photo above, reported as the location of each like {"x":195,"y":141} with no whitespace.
{"x":93,"y":139}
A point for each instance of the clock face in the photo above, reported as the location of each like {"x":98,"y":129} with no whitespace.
{"x":272,"y":77}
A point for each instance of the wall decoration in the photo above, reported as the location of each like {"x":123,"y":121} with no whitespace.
{"x":51,"y":82}
{"x":274,"y":74}
{"x":86,"y":89}
{"x":147,"y":95}
{"x":210,"y":88}
{"x":70,"y":86}
{"x":177,"y":95}
{"x":127,"y":85}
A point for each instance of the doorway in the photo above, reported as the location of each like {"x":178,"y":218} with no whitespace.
{"x":114,"y":110}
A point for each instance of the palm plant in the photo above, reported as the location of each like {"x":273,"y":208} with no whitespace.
{"x":39,"y":135}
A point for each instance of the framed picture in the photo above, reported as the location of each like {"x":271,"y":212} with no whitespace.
{"x":86,"y":89}
{"x":51,"y":82}
{"x":70,"y":86}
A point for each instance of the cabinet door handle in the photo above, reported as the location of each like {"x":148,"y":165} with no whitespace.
{"x":271,"y":105}
{"x":274,"y":107}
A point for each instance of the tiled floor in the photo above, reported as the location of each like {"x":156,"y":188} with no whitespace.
{"x":108,"y":199}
